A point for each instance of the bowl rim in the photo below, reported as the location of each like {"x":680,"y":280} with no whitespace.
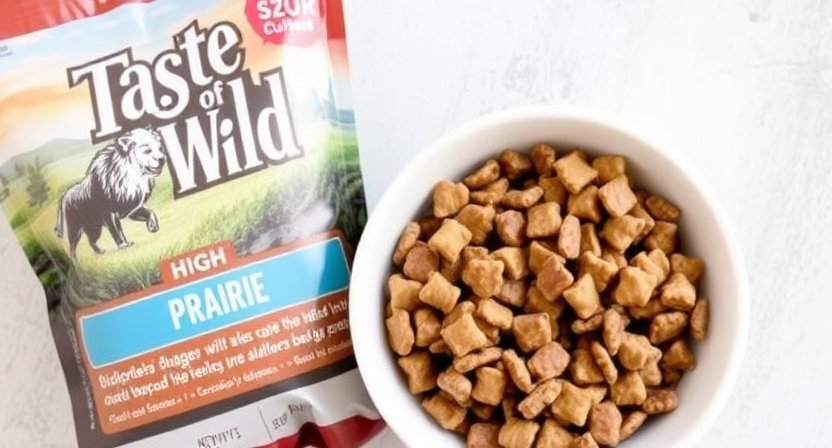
{"x":592,"y":117}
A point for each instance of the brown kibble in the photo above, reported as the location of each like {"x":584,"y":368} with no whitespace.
{"x":538,"y":254}
{"x":662,"y":209}
{"x":699,"y":320}
{"x":604,"y":361}
{"x":473,"y":253}
{"x":484,"y":175}
{"x":670,"y":377}
{"x":553,"y":278}
{"x":585,"y":204}
{"x":406,"y":242}
{"x":511,"y":227}
{"x":459,"y":310}
{"x":479,"y":219}
{"x":650,"y":374}
{"x":581,"y":326}
{"x":650,"y":310}
{"x":404,"y":293}
{"x":691,"y":267}
{"x":678,"y":356}
{"x":509,"y":406}
{"x":517,"y":370}
{"x":399,"y":332}
{"x":609,"y":167}
{"x":543,"y":158}
{"x":582,"y":297}
{"x":451,"y":271}
{"x":601,"y":270}
{"x":489,"y":386}
{"x":522,"y":199}
{"x":552,"y":435}
{"x":439,"y":347}
{"x":572,"y":404}
{"x":483,"y":435}
{"x":543,"y":220}
{"x":634,"y":287}
{"x":513,"y":293}
{"x":492,"y":194}
{"x":455,"y":384}
{"x":537,"y":303}
{"x":514,"y":260}
{"x":439,"y":293}
{"x":605,"y":423}
{"x":531,"y":331}
{"x":569,"y":238}
{"x":543,"y":395}
{"x":420,"y":262}
{"x":660,"y":401}
{"x":678,"y":293}
{"x":447,"y":414}
{"x":639,"y":212}
{"x":549,"y":361}
{"x":427,"y":327}
{"x":613,"y":331}
{"x":631,"y":423}
{"x":667,"y":326}
{"x":464,"y":336}
{"x":620,"y":231}
{"x":495,"y":314}
{"x":484,"y":277}
{"x":518,"y":433}
{"x":574,"y":172}
{"x":418,"y":369}
{"x":476,"y":359}
{"x":448,"y":198}
{"x":483,"y":412}
{"x":514,"y":164}
{"x":617,"y":258}
{"x":634,"y":352}
{"x":553,"y":190}
{"x":654,"y":263}
{"x":428,"y":226}
{"x":584,"y":441}
{"x":663,"y":236}
{"x":589,"y":240}
{"x":583,"y":369}
{"x":449,"y":240}
{"x":617,"y":197}
{"x":491,"y":332}
{"x":628,"y":390}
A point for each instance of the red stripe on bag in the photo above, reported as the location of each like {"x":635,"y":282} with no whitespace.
{"x":24,"y":17}
{"x":350,"y":432}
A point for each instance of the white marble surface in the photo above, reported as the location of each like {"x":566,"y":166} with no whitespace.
{"x":743,"y":88}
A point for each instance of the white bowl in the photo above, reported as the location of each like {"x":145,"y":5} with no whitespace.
{"x":704,"y":230}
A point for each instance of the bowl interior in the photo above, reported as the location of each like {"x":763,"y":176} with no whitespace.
{"x":701,"y":392}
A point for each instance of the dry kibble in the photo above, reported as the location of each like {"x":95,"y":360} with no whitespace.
{"x":605,"y":423}
{"x":538,"y":254}
{"x":484,"y":175}
{"x":699,"y":320}
{"x":678,"y":356}
{"x":631,"y":423}
{"x":678,"y":293}
{"x":543,"y":158}
{"x":628,"y":390}
{"x":553,"y":278}
{"x":428,"y":225}
{"x":609,"y":167}
{"x":537,"y":303}
{"x":476,"y":359}
{"x":569,"y":238}
{"x":601,"y":270}
{"x":451,"y":271}
{"x":617,"y":258}
{"x":634,"y":352}
{"x":654,"y":263}
{"x":543,"y":395}
{"x":484,"y":277}
{"x":613,"y":331}
{"x":420,"y":262}
{"x":509,"y":406}
{"x":513,"y":292}
{"x":583,"y":369}
{"x":574,"y":172}
{"x":522,"y":199}
{"x":589,"y":240}
{"x":404,"y":293}
{"x":427,"y":327}
{"x":483,"y":435}
{"x":544,"y":220}
{"x":455,"y":384}
{"x":666,"y":326}
{"x":620,"y":231}
{"x":582,"y":297}
{"x":616,"y":196}
{"x":492,"y":194}
{"x":552,"y":435}
{"x":439,"y":347}
{"x":514,"y":164}
{"x":517,"y":370}
{"x":447,"y":414}
{"x":639,"y":212}
{"x":549,"y":361}
{"x":670,"y":377}
{"x":585,"y":204}
{"x":553,"y":190}
{"x":449,"y":240}
{"x":691,"y":267}
{"x":459,"y":310}
{"x":399,"y":332}
{"x":464,"y":336}
{"x":439,"y":293}
{"x":531,"y":331}
{"x":659,"y":401}
{"x":605,"y":363}
{"x":572,"y":404}
{"x":651,"y":374}
{"x":584,"y":441}
{"x":582,"y":326}
{"x":448,"y":198}
{"x":418,"y":369}
{"x":491,"y":332}
{"x":514,"y":260}
{"x":495,"y":314}
{"x":634,"y":287}
{"x":489,"y":386}
{"x":598,"y":392}
{"x":511,"y":227}
{"x":650,"y":310}
{"x":662,"y":209}
{"x":479,"y":219}
{"x":483,"y":412}
{"x":518,"y":433}
{"x":406,"y":242}
{"x":663,"y":236}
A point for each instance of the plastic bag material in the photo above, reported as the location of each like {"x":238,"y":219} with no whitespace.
{"x":183,"y":177}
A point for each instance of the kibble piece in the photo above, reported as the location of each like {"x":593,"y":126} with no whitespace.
{"x":514,"y":260}
{"x":515,"y":164}
{"x":473,"y":253}
{"x":399,"y":332}
{"x":663,"y":236}
{"x":581,"y":326}
{"x":439,"y":347}
{"x":464,"y":336}
{"x":448,"y":198}
{"x":511,"y":227}
{"x":614,"y":257}
{"x":582,"y":297}
{"x":691,"y":267}
{"x":678,"y":293}
{"x":543,"y":158}
{"x":476,"y":359}
{"x":406,"y":242}
{"x":569,"y":238}
{"x":605,"y":423}
{"x":667,"y":326}
{"x":482,"y":435}
{"x":628,"y":390}
{"x":572,"y":404}
{"x":651,"y":374}
{"x":420,"y":262}
{"x":543,"y":220}
{"x":553,"y":278}
{"x":699,"y":320}
{"x":639,"y":212}
{"x":678,"y":356}
{"x":609,"y":167}
{"x":617,"y":197}
{"x":584,"y":441}
{"x":522,"y":199}
{"x":455,"y":384}
{"x":605,"y":363}
{"x":620,"y":231}
{"x":574,"y":172}
{"x":479,"y":219}
{"x":531,"y":331}
{"x":439,"y":293}
{"x":659,"y":401}
{"x":634,"y":287}
{"x":427,"y":327}
{"x":543,"y":395}
{"x":537,"y":303}
{"x":491,"y":332}
{"x":634,"y":352}
{"x":538,"y":254}
{"x":495,"y":314}
{"x":662,"y":209}
{"x":552,"y":435}
{"x":583,"y":369}
{"x":483,"y":412}
{"x":518,"y":433}
{"x":652,"y":309}
{"x":484,"y":175}
{"x":509,"y":406}
{"x":428,"y":225}
{"x":418,"y":369}
{"x":492,"y":194}
{"x":598,"y":392}
{"x":449,"y":240}
{"x":459,"y":310}
{"x":451,"y":271}
{"x":631,"y":423}
{"x":517,"y":370}
{"x":484,"y":277}
{"x":654,"y":263}
{"x":553,"y":190}
{"x":613,"y":331}
{"x":589,"y":240}
{"x":513,"y":293}
{"x":601,"y":271}
{"x":448,"y":414}
{"x":585,"y":204}
{"x":489,"y":386}
{"x":404,"y":293}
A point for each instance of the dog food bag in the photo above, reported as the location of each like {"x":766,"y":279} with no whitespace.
{"x":183,"y":177}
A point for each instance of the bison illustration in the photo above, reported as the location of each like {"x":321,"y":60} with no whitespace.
{"x":117,"y":185}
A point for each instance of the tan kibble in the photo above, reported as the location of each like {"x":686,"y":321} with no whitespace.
{"x":620,"y":231}
{"x":604,"y":361}
{"x":660,"y":401}
{"x":537,"y":303}
{"x":404,"y":293}
{"x":428,"y":226}
{"x":663,"y":236}
{"x":614,"y":257}
{"x":511,"y":227}
{"x":460,"y":309}
{"x":483,"y":412}
{"x":583,"y":369}
{"x":601,"y":270}
{"x":628,"y":390}
{"x":420,"y":262}
{"x":406,"y":242}
{"x":509,"y":406}
{"x":439,"y":293}
{"x":582,"y":297}
{"x":513,"y":292}
{"x":544,"y":220}
{"x":666,"y":326}
{"x":427,"y":327}
{"x":531,"y":331}
{"x":490,"y":385}
{"x":605,"y":423}
{"x":483,"y":435}
{"x":418,"y":369}
{"x":515,"y":261}
{"x":572,"y":404}
{"x":651,"y":374}
{"x":473,"y":253}
{"x":492,"y":194}
{"x":449,"y":240}
{"x":517,"y":370}
{"x":451,"y":271}
{"x":495,"y":314}
{"x":639,"y":212}
{"x":514,"y":164}
{"x":574,"y":172}
{"x":553,"y":190}
{"x":455,"y":384}
{"x":634,"y":352}
{"x":448,"y":198}
{"x":671,"y":377}
{"x":613,"y":332}
{"x":538,"y":254}
{"x":581,"y":326}
{"x":585,"y":204}
{"x":447,"y":414}
{"x":609,"y":167}
{"x":484,"y":175}
{"x":476,"y":359}
{"x":522,"y":199}
{"x":598,"y":392}
{"x":691,"y":267}
{"x":678,"y":356}
{"x":552,"y":435}
{"x":650,"y":310}
{"x":399,"y":332}
{"x":589,"y":240}
{"x":617,"y":197}
{"x":464,"y":336}
{"x":484,"y":277}
{"x":634,"y":287}
{"x":584,"y":441}
{"x":543,"y":395}
{"x":439,"y":347}
{"x":569,"y":238}
{"x":662,"y":209}
{"x":699,"y":317}
{"x":491,"y":332}
{"x":543,"y":158}
{"x":678,"y":293}
{"x":553,"y":278}
{"x":654,"y":263}
{"x":631,"y":423}
{"x":479,"y":220}
{"x":518,"y":433}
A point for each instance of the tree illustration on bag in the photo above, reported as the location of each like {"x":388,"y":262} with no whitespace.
{"x":37,"y":188}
